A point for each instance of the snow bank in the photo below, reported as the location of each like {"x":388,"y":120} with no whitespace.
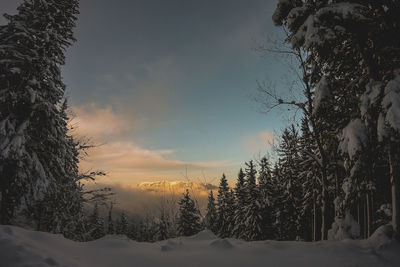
{"x":382,"y":237}
{"x":344,"y":229}
{"x":19,"y":247}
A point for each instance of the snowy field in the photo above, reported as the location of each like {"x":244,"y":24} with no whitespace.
{"x":19,"y":247}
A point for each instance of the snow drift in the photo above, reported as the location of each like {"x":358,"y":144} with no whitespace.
{"x":20,"y":247}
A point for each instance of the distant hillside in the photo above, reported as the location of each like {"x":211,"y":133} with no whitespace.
{"x":176,"y":187}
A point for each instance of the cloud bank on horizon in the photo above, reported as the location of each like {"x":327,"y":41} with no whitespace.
{"x":127,"y":162}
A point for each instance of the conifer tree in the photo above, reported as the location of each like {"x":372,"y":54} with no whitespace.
{"x":37,"y":156}
{"x":291,"y":189}
{"x":363,"y":86}
{"x":266,"y":187}
{"x":231,"y":212}
{"x":278,"y":208}
{"x":122,"y":225}
{"x":110,"y":222}
{"x":163,"y":226}
{"x":133,"y":231}
{"x":223,"y":210}
{"x":240,"y":205}
{"x":210,"y":219}
{"x":38,"y":159}
{"x":189,"y":216}
{"x":311,"y":192}
{"x":96,"y":224}
{"x":253,"y":228}
{"x":143,"y":231}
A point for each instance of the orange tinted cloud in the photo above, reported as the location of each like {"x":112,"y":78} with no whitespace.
{"x":128,"y":156}
{"x":258,"y":142}
{"x":99,"y":123}
{"x":121,"y":158}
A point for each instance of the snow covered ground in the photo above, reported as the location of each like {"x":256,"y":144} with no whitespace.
{"x":19,"y":247}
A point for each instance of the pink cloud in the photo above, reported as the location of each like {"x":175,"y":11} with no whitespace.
{"x":121,"y":157}
{"x":259,"y":142}
{"x":126,"y":157}
{"x":98,"y":123}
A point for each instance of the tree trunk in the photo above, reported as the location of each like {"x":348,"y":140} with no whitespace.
{"x":337,"y":211}
{"x":365,"y":219}
{"x":372,"y":218}
{"x":358,"y":212}
{"x":314,"y":238}
{"x":7,"y":202}
{"x":3,"y":208}
{"x":324,"y":207}
{"x":368,"y":214}
{"x":394,"y":181}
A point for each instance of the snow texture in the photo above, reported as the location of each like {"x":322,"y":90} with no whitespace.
{"x":381,"y":237}
{"x":391,"y":107}
{"x":353,"y":138}
{"x":344,"y":228}
{"x":370,"y":97}
{"x":322,"y":93}
{"x":313,"y":32}
{"x":19,"y":247}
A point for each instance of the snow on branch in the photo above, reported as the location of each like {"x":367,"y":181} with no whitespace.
{"x":390,"y":106}
{"x":315,"y":31}
{"x":322,"y":93}
{"x":353,"y":138}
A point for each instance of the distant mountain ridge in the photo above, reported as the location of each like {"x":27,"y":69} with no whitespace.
{"x":176,"y":187}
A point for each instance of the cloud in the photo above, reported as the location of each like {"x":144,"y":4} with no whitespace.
{"x":258,"y":142}
{"x":100,"y":123}
{"x":121,"y":157}
{"x":128,"y":156}
{"x":128,"y":163}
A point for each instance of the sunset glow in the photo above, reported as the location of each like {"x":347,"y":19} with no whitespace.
{"x":164,"y":108}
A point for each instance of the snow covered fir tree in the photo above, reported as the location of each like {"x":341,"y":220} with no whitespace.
{"x":350,"y":105}
{"x":189,"y":216}
{"x":40,"y":181}
{"x":39,"y":159}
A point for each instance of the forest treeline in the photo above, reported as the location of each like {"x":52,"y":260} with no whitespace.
{"x":337,"y":170}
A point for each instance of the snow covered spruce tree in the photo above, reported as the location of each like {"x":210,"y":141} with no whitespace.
{"x":351,"y":46}
{"x":311,"y":196}
{"x":210,"y":220}
{"x":240,"y":204}
{"x":110,"y":221}
{"x":96,"y":224}
{"x":266,"y":188}
{"x":38,"y":159}
{"x":122,"y":225}
{"x":163,"y":227}
{"x":189,"y":216}
{"x":225,"y":211}
{"x":253,"y":220}
{"x":289,"y":183}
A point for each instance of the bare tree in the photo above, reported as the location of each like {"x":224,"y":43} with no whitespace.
{"x":271,"y":99}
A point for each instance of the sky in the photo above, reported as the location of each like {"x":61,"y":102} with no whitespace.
{"x":165,"y":88}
